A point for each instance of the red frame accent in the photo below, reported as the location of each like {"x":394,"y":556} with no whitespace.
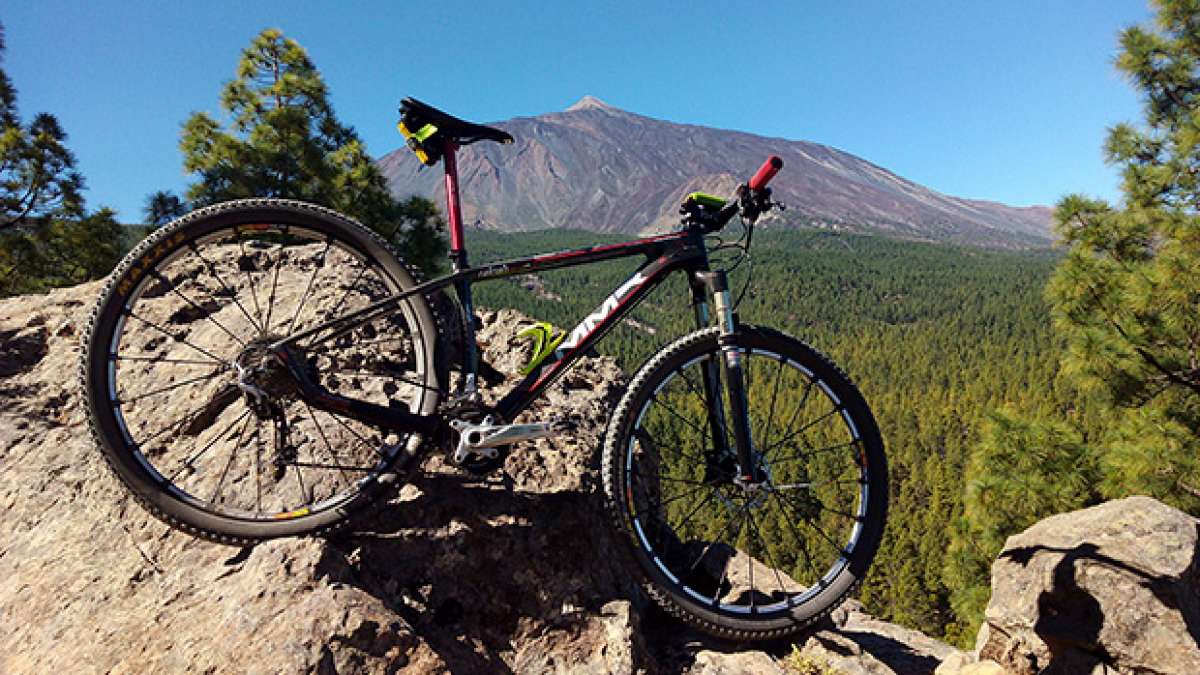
{"x":453,"y":206}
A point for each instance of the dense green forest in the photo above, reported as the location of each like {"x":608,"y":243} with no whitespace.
{"x":936,"y":336}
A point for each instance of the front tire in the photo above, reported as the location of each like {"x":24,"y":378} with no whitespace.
{"x":746,"y":563}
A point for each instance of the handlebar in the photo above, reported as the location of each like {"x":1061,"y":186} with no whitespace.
{"x":766,"y":172}
{"x":752,"y":200}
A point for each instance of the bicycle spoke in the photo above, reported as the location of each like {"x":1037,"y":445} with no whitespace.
{"x":808,"y":386}
{"x":274,"y":285}
{"x":692,"y":568}
{"x":332,"y":467}
{"x":384,"y":376}
{"x":681,"y":417}
{"x":164,"y":331}
{"x":716,"y":599}
{"x":661,"y":503}
{"x":250,"y":282}
{"x":170,"y":387}
{"x":308,"y":288}
{"x":258,"y":467}
{"x":801,"y":542}
{"x":655,"y":445}
{"x":806,"y":427}
{"x":182,"y":421}
{"x":299,"y":479}
{"x":771,"y":412}
{"x":353,"y":287}
{"x":841,"y":549}
{"x":750,"y":566}
{"x":208,"y":315}
{"x":691,"y":514}
{"x":686,"y":481}
{"x":321,"y":431}
{"x":192,"y":460}
{"x":212,"y":270}
{"x":151,"y":359}
{"x":813,"y":453}
{"x":357,"y":435}
{"x":770,"y":558}
{"x":224,"y":472}
{"x":695,"y":390}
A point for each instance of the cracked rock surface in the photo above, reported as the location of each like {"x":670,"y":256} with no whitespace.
{"x":514,"y":572}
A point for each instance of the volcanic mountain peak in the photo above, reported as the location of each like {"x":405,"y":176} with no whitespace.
{"x":601,"y":168}
{"x":589,"y":102}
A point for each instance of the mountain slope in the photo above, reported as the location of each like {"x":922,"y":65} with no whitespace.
{"x":599,"y":168}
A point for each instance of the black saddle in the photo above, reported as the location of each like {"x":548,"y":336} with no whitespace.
{"x":449,"y":126}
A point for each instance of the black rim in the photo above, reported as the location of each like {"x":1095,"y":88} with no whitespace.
{"x":748,"y":552}
{"x":188,"y":343}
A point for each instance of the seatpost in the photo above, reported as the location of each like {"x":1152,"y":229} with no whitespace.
{"x":453,"y":206}
{"x":458,"y":261}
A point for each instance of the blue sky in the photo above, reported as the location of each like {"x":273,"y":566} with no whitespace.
{"x":991,"y":100}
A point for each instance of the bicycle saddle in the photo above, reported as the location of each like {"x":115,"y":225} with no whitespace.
{"x":460,"y":131}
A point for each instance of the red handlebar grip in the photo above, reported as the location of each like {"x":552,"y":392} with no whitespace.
{"x":766,"y":172}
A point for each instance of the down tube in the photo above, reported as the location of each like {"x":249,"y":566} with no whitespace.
{"x":587,"y":333}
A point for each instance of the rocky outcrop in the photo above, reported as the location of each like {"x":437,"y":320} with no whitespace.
{"x":515,"y":572}
{"x":1110,"y":589}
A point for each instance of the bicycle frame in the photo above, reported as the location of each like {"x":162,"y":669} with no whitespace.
{"x":682,"y":250}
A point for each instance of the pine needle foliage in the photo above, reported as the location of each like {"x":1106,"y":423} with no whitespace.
{"x":1125,"y":300}
{"x":282,"y":139}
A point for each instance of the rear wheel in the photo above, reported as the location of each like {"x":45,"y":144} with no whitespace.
{"x":747,"y":562}
{"x":192,"y":308}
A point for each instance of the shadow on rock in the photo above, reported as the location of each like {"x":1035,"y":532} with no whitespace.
{"x":1070,"y":618}
{"x":478,"y":569}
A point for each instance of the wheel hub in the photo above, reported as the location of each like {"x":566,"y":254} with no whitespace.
{"x":261,"y":377}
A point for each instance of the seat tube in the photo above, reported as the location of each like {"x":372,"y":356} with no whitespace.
{"x":458,"y":261}
{"x":732,"y":368}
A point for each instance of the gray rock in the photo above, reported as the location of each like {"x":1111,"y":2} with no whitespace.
{"x":515,"y":571}
{"x":1112,"y":588}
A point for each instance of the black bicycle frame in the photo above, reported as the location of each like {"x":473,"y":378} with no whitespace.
{"x":683,"y":250}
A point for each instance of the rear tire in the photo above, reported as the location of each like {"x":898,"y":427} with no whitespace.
{"x":745,"y":564}
{"x":184,"y":310}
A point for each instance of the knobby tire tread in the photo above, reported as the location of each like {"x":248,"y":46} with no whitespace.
{"x":613,"y":452}
{"x":363,"y":506}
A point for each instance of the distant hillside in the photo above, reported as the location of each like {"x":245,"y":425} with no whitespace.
{"x":596,"y":167}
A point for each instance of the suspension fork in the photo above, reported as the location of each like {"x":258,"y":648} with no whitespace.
{"x":731,"y":367}
{"x":711,"y":376}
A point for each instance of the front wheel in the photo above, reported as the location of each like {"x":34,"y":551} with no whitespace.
{"x":746,"y":561}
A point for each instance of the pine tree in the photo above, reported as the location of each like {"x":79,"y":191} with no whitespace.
{"x":46,"y":237}
{"x":38,"y":180}
{"x":1127,"y":296}
{"x":283,"y":140}
{"x":1126,"y":301}
{"x":162,"y":207}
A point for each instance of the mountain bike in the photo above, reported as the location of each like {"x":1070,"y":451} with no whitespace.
{"x":266,"y":368}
